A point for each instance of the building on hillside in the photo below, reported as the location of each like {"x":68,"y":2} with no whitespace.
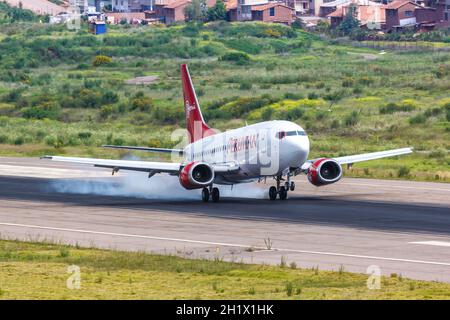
{"x":400,"y":14}
{"x":371,"y":15}
{"x":273,"y":12}
{"x":170,"y":11}
{"x":173,"y":11}
{"x":423,"y":16}
{"x":132,"y":5}
{"x":129,"y":17}
{"x":301,"y":7}
{"x":259,"y":10}
{"x":82,"y":5}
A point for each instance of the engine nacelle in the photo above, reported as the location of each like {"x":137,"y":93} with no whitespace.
{"x":196,"y":175}
{"x":324,"y":171}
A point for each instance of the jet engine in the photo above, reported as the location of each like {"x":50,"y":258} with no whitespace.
{"x":196,"y":175}
{"x":324,"y":171}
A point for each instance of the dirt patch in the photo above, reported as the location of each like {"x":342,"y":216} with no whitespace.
{"x":38,"y":6}
{"x":142,"y":80}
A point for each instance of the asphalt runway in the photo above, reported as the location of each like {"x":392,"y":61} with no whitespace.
{"x":397,"y":226}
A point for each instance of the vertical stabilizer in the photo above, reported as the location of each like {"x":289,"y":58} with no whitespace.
{"x":195,"y":124}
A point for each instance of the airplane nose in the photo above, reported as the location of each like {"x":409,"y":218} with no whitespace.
{"x":299,"y":150}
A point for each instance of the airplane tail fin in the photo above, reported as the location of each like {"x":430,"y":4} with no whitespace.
{"x":195,"y":124}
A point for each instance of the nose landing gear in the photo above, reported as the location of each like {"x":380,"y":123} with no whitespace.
{"x":281,"y":191}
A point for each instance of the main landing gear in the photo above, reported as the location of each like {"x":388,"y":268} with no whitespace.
{"x":281,"y":191}
{"x":212,"y":193}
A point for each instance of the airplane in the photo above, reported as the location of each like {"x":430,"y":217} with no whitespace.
{"x":271,"y":149}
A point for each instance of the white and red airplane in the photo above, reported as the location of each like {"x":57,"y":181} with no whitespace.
{"x":277,"y":149}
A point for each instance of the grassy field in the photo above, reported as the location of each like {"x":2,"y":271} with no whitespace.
{"x":40,"y":271}
{"x":55,"y":98}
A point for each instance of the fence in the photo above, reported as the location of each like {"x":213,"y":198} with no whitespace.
{"x":396,"y":45}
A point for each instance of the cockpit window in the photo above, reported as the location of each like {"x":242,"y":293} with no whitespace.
{"x":282,"y":134}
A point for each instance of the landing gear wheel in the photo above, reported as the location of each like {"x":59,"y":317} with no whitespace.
{"x":272,"y":193}
{"x":283,"y":193}
{"x":205,"y":195}
{"x":215,"y":194}
{"x":292,"y":188}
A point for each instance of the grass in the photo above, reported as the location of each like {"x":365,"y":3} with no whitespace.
{"x":40,"y":271}
{"x":349,"y":100}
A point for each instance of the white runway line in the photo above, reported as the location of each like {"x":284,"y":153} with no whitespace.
{"x":397,"y":187}
{"x":433,"y":243}
{"x":225,"y":244}
{"x":45,"y":172}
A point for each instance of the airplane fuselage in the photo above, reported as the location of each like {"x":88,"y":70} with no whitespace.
{"x":264,"y":149}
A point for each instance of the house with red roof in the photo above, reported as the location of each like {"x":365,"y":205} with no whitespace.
{"x":422,"y":15}
{"x":260,"y":10}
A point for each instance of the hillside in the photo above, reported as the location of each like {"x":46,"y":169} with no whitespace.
{"x":60,"y":95}
{"x":40,"y":7}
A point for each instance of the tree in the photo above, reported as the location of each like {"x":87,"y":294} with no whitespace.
{"x":218,"y":12}
{"x":196,"y":10}
{"x":349,"y":23}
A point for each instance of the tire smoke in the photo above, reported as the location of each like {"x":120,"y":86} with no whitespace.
{"x":138,"y":185}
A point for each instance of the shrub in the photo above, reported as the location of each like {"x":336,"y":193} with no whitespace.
{"x":84,"y":135}
{"x":266,"y":114}
{"x":45,"y":110}
{"x":238,"y":58}
{"x":141,"y":104}
{"x":418,"y":119}
{"x":348,"y":82}
{"x":352,"y":119}
{"x":101,"y":61}
{"x":106,"y":111}
{"x":19,"y":141}
{"x":404,"y":106}
{"x":438,"y":153}
{"x":245,"y":85}
{"x":313,"y":96}
{"x":403,"y":171}
{"x":289,"y":289}
{"x":110,"y":97}
{"x":293,"y":113}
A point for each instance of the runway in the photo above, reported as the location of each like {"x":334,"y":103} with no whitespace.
{"x":399,"y":227}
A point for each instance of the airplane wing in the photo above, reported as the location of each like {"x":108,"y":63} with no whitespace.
{"x":116,"y":165}
{"x":373,"y":155}
{"x":143,"y":166}
{"x":365,"y":157}
{"x":180,"y":152}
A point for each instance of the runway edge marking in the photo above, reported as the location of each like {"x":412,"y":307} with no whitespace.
{"x":432,"y":243}
{"x":226,"y":244}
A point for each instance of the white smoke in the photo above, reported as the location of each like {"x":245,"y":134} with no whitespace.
{"x":131,"y":184}
{"x":138,"y":185}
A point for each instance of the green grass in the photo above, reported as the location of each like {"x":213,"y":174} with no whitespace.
{"x":349,"y":100}
{"x":39,"y":271}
